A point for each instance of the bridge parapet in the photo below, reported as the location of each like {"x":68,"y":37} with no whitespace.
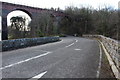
{"x":26,"y":42}
{"x":112,"y":46}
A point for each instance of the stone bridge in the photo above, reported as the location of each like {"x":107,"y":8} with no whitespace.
{"x":6,"y":8}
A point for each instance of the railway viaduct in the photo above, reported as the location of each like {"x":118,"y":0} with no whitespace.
{"x":6,"y":8}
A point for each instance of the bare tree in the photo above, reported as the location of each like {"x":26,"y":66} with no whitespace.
{"x":42,"y":25}
{"x":18,"y":27}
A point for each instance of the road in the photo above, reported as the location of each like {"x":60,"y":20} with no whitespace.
{"x":72,"y":57}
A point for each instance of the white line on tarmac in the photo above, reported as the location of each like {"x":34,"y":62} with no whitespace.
{"x":100,"y":60}
{"x":69,"y":45}
{"x":72,"y":43}
{"x":25,"y":60}
{"x":76,"y":40}
{"x":40,"y":75}
{"x":77,"y":49}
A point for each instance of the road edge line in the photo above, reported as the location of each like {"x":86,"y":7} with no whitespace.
{"x":111,"y":62}
{"x":100,"y":60}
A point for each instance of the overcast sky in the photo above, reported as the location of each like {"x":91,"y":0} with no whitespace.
{"x":64,"y":3}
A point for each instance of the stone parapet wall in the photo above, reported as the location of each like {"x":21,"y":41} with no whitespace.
{"x":26,"y":42}
{"x":111,"y":45}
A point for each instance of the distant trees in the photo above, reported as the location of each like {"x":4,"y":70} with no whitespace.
{"x":104,"y":21}
{"x":78,"y":21}
{"x":43,"y":25}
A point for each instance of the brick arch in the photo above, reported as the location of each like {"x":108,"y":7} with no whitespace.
{"x":31,"y":11}
{"x":20,"y":9}
{"x":4,"y":20}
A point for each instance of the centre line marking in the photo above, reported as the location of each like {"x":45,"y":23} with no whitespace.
{"x":78,"y":49}
{"x":76,"y":40}
{"x":69,"y":45}
{"x":25,"y":60}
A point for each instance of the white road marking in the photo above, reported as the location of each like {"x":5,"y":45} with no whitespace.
{"x":69,"y":45}
{"x":100,"y":60}
{"x":76,"y":40}
{"x":40,"y":75}
{"x":25,"y":60}
{"x":77,"y":49}
{"x":72,"y":43}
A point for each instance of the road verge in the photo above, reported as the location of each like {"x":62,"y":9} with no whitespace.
{"x":111,"y":62}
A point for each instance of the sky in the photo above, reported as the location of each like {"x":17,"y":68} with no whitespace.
{"x":64,"y":3}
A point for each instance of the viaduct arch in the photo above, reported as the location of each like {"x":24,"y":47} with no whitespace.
{"x":6,"y":8}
